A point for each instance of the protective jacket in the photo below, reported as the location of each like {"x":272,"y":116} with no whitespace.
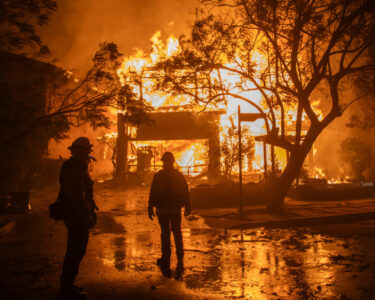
{"x":76,"y":194}
{"x":169,"y":192}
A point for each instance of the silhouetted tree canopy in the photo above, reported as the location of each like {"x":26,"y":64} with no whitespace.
{"x":87,"y":100}
{"x":72,"y":102}
{"x":19,"y":21}
{"x":356,"y":154}
{"x":363,"y":114}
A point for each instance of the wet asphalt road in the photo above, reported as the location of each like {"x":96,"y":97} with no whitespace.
{"x":325,"y":262}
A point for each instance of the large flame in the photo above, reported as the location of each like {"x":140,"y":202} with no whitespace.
{"x":139,"y":65}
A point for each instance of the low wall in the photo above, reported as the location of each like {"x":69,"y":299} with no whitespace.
{"x":226,"y":196}
{"x":334,"y":192}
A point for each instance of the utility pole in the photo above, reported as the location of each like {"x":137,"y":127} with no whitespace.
{"x":246,"y":117}
{"x":240,"y":157}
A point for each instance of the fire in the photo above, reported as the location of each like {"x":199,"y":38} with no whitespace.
{"x":139,"y":65}
{"x":190,"y":155}
{"x":192,"y":159}
{"x":321,"y":174}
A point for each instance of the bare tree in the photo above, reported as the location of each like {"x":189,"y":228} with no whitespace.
{"x":73,"y":102}
{"x":286,"y":50}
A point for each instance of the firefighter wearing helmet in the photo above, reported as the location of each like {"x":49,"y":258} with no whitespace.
{"x":76,"y":197}
{"x":169,"y":193}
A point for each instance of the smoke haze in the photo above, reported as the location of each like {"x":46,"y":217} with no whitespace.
{"x":78,"y":27}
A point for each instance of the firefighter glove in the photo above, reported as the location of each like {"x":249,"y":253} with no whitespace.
{"x":151,"y":213}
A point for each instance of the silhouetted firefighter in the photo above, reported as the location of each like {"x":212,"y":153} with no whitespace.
{"x":169,"y":193}
{"x":76,"y":197}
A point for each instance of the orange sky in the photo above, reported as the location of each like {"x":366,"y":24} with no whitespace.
{"x":78,"y":27}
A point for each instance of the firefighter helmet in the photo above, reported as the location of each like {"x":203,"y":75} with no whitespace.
{"x":81,"y":142}
{"x":167,"y":157}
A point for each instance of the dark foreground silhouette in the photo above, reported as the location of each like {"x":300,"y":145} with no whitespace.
{"x":169,"y":193}
{"x":78,"y":207}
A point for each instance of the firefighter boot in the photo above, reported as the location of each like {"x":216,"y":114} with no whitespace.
{"x":164,"y":266}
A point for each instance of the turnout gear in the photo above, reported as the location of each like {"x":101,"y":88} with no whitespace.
{"x":169,"y":193}
{"x":78,"y":206}
{"x":76,"y":194}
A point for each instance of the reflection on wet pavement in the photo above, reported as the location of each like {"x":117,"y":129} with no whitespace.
{"x":251,"y":264}
{"x":258,"y":264}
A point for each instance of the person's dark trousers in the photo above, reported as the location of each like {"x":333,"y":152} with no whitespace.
{"x":77,"y":243}
{"x":167,"y":223}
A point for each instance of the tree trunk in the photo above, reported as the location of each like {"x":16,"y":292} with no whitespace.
{"x":214,"y":154}
{"x":121,"y":151}
{"x":372,"y":161}
{"x":281,"y":186}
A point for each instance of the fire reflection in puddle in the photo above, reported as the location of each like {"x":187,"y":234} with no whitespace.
{"x":259,"y":263}
{"x":119,"y":254}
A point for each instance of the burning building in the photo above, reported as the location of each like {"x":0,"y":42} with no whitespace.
{"x":197,"y":134}
{"x":187,"y":126}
